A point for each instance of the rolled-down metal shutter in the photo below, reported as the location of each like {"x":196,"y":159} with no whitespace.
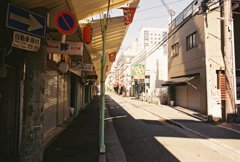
{"x":50,"y":105}
{"x":63,"y":110}
{"x":188,"y":96}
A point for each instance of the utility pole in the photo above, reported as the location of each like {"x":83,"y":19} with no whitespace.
{"x":228,"y":59}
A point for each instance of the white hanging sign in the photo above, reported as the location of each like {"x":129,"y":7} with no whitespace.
{"x":26,"y":42}
{"x":70,"y":48}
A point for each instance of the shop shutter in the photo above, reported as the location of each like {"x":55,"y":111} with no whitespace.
{"x":50,"y":105}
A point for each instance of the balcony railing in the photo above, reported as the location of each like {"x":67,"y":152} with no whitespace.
{"x":190,"y":10}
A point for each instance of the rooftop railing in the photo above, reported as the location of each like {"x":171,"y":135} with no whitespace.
{"x":190,"y":10}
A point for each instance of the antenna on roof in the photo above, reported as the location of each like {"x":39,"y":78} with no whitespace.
{"x":170,"y":11}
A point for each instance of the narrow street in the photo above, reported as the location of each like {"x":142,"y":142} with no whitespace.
{"x":119,"y":81}
{"x":146,"y":135}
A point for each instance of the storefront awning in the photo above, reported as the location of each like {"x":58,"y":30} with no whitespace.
{"x":114,"y":37}
{"x":82,"y":8}
{"x":178,"y":81}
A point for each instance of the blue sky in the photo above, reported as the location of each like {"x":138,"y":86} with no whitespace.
{"x":152,"y":13}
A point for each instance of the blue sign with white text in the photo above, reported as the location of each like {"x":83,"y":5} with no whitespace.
{"x":26,"y":21}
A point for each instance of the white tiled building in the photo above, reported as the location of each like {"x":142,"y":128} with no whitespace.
{"x":154,"y":56}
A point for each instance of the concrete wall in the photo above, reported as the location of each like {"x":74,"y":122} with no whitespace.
{"x":191,"y":61}
{"x":214,"y":62}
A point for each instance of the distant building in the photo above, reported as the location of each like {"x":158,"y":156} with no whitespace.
{"x":153,"y":45}
{"x":121,"y":71}
{"x":148,"y":52}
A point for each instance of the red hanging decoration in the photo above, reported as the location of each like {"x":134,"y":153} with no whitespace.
{"x":87,"y":34}
{"x":128,"y":14}
{"x":106,"y":68}
{"x":112,"y":56}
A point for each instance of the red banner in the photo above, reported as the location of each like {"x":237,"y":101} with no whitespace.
{"x":128,"y":14}
{"x":112,"y":56}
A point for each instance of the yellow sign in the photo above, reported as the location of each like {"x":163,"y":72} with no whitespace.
{"x":138,"y":71}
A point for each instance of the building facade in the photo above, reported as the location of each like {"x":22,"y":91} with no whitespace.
{"x":195,"y":58}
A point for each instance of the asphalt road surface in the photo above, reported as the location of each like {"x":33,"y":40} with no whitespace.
{"x":146,"y":137}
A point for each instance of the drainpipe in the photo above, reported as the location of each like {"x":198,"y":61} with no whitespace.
{"x":102,"y":96}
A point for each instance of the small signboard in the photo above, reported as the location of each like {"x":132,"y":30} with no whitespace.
{"x":26,"y":21}
{"x":26,"y":42}
{"x":82,"y":66}
{"x":65,"y":22}
{"x":70,"y":48}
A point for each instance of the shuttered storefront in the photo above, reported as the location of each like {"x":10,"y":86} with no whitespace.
{"x":188,"y":96}
{"x":63,"y":99}
{"x":57,"y":100}
{"x":50,"y":105}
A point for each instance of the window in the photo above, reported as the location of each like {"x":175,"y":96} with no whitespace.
{"x":191,"y":41}
{"x":175,"y":49}
{"x":146,"y":35}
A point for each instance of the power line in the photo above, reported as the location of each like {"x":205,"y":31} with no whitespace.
{"x":148,"y":18}
{"x":159,"y":6}
{"x":154,"y":48}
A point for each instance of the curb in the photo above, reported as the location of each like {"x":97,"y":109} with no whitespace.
{"x":183,"y":127}
{"x":200,"y":135}
{"x":170,"y":121}
{"x":204,"y":119}
{"x":231,"y":129}
{"x":102,"y":158}
{"x":114,"y":151}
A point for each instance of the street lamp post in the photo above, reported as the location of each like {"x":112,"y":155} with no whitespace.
{"x":102,"y":96}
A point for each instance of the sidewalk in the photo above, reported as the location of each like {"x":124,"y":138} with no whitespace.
{"x":80,"y":140}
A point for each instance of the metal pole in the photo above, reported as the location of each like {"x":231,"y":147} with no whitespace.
{"x":102,"y":106}
{"x":234,"y":64}
{"x":228,"y":53}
